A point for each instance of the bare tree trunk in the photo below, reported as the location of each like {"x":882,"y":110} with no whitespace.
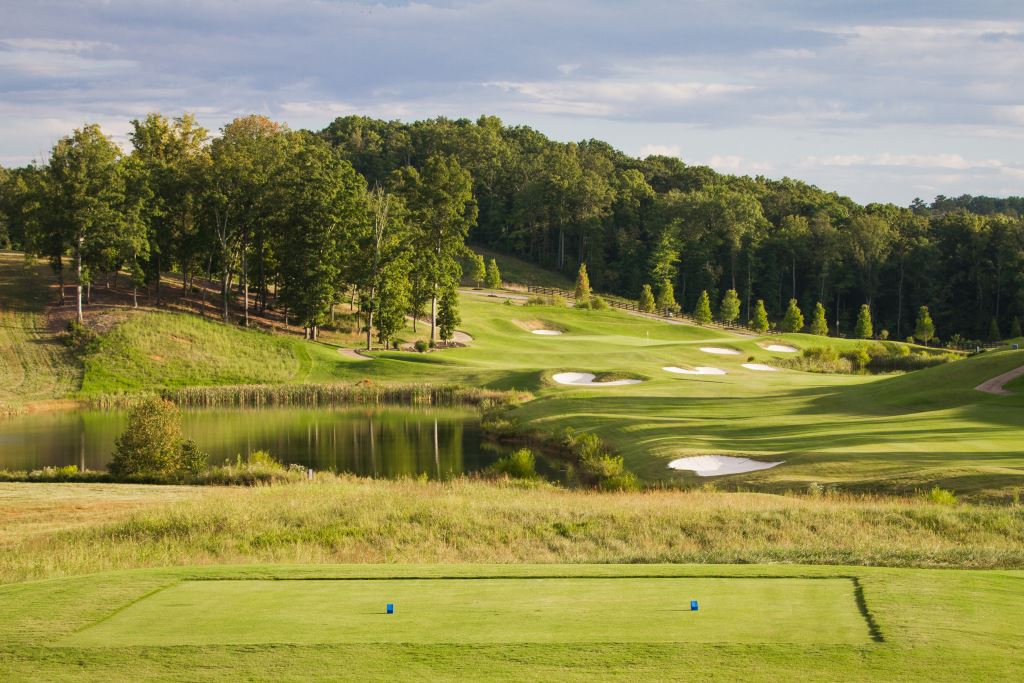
{"x":225,"y":285}
{"x":433,"y":316}
{"x":899,"y":304}
{"x":158,"y":270}
{"x":245,"y":283}
{"x":794,"y":277}
{"x":78,"y":270}
{"x":60,"y":272}
{"x":135,"y":296}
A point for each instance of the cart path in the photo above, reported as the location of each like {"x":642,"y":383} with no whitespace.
{"x":995,"y":385}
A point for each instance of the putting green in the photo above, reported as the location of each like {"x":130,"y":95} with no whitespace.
{"x":487,"y":610}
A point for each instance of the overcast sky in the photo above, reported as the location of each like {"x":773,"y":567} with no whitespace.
{"x":881,"y":100}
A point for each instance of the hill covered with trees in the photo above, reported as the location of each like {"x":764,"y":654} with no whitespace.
{"x":383,"y":208}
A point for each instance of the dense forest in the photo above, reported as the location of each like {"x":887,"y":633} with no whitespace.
{"x":383,"y":208}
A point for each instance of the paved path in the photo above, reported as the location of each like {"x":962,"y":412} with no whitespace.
{"x":995,"y":385}
{"x":353,"y":354}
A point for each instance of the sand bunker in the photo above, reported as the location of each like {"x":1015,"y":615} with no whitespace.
{"x":699,"y":370}
{"x":587,"y":379}
{"x":760,"y":367}
{"x":779,"y":348}
{"x":719,"y":351}
{"x":717,"y":465}
{"x":546,"y":333}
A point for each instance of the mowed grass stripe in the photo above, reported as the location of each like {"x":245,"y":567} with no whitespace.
{"x":494,"y":610}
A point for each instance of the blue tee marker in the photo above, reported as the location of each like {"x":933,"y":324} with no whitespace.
{"x":693,"y":605}
{"x":391,"y":608}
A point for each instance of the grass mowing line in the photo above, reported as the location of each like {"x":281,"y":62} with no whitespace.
{"x":130,"y":603}
{"x":434,"y":611}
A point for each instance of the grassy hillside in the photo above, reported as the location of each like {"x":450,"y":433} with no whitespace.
{"x":345,"y":519}
{"x":34,"y":365}
{"x":523,"y":272}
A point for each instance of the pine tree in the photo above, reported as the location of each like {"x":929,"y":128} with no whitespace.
{"x":582,"y":286}
{"x":729,"y":311}
{"x":993,"y":331}
{"x":819,"y":325}
{"x":479,"y":270}
{"x":1015,"y":332}
{"x":493,"y":275}
{"x":448,"y":314}
{"x":667,"y":297}
{"x":760,"y":321}
{"x":647,"y":299}
{"x":924,"y":331}
{"x":863,"y":329}
{"x":793,"y":321}
{"x":702,"y":313}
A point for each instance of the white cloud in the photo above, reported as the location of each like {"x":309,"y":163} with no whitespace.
{"x":612,"y":97}
{"x":660,"y":150}
{"x":736,"y":164}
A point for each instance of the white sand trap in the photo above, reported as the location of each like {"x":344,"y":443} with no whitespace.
{"x":546,"y":333}
{"x":699,"y":370}
{"x":760,"y":367}
{"x":717,"y":465}
{"x":719,"y":351}
{"x":587,"y":379}
{"x":778,"y":348}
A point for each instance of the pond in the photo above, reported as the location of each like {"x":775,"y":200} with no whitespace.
{"x":375,"y":442}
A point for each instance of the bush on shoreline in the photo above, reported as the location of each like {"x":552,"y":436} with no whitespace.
{"x":872,"y":358}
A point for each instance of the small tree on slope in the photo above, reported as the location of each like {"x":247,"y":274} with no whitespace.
{"x":493,"y":277}
{"x":863,"y":329}
{"x":448,"y":314}
{"x":793,"y":321}
{"x":646,"y":299}
{"x":702,"y":313}
{"x":729,"y":311}
{"x":759,"y":323}
{"x":819,"y":324}
{"x":479,"y":271}
{"x":582,"y":286}
{"x":924,"y":330}
{"x":667,"y":297}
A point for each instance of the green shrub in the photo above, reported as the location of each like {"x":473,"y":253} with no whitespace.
{"x":193,"y":460}
{"x":520,"y":464}
{"x":941,"y":496}
{"x":859,"y":358}
{"x":421,"y":345}
{"x":598,"y":304}
{"x":152,"y":443}
{"x":80,"y":339}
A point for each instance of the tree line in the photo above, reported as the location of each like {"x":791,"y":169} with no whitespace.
{"x":383,"y":208}
{"x":279,"y":216}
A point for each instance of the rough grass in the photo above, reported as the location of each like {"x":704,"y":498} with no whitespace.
{"x":152,"y":350}
{"x":345,"y":519}
{"x":34,"y":364}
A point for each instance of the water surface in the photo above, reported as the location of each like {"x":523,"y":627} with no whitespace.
{"x":375,"y":442}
